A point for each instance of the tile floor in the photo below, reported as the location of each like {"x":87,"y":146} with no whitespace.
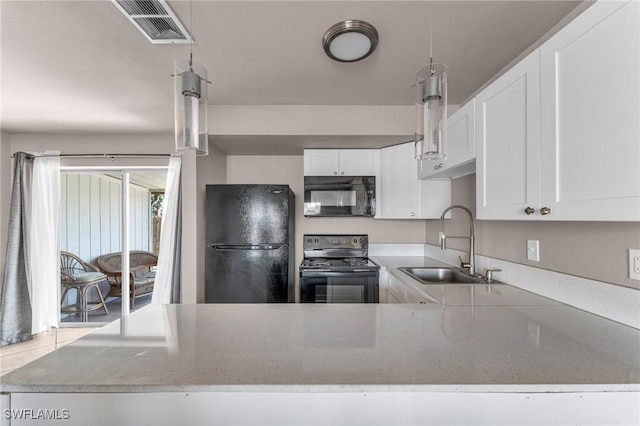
{"x":19,"y":354}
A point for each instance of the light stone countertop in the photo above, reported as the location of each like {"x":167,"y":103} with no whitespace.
{"x":343,"y":348}
{"x":496,"y":294}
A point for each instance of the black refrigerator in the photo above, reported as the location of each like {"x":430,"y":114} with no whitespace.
{"x":250,"y":244}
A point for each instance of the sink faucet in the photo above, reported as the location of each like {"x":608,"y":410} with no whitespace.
{"x":471,"y":266}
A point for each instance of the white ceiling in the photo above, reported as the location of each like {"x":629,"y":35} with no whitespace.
{"x":81,"y":66}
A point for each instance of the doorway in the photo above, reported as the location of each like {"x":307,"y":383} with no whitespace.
{"x":91,"y":229}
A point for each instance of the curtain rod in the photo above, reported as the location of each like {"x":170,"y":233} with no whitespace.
{"x":110,"y":156}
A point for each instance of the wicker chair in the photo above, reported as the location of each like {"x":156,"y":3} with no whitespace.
{"x":142,"y":272}
{"x":75,"y":274}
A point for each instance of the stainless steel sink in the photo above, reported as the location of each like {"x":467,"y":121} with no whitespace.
{"x":429,"y":275}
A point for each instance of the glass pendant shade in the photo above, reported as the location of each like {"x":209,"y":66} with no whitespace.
{"x":431,"y":112}
{"x":190,"y":105}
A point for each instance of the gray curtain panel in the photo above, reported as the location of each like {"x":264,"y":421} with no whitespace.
{"x":177,"y":253}
{"x":15,"y":304}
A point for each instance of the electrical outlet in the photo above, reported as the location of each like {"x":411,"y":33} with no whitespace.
{"x":533,"y":250}
{"x":634,"y":264}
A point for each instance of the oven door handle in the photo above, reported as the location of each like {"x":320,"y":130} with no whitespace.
{"x":326,"y":273}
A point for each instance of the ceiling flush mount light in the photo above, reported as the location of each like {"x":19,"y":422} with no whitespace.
{"x":190,"y":105}
{"x":431,"y":111}
{"x":350,"y":40}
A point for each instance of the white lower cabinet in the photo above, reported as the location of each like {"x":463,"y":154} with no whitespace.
{"x":402,"y":195}
{"x":399,"y":292}
{"x":391,"y":298}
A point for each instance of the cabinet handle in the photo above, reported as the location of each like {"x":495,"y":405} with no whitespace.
{"x":413,"y":214}
{"x":335,"y":173}
{"x":529,"y":210}
{"x":545,"y":211}
{"x":342,"y":173}
{"x":438,"y":166}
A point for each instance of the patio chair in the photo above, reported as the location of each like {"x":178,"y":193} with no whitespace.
{"x":75,"y":274}
{"x":142,"y":274}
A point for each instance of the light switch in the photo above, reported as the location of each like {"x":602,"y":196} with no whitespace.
{"x":533,"y":250}
{"x":634,"y":264}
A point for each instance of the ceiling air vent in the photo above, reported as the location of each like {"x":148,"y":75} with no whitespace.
{"x":155,"y":19}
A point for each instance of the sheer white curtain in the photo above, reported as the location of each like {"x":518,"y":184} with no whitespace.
{"x":167,"y":284}
{"x":44,"y":233}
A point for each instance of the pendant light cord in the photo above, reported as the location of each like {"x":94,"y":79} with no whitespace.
{"x":432,"y":70}
{"x":430,"y":40}
{"x":191,"y":35}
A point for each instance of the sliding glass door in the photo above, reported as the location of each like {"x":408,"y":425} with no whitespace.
{"x":105,"y":214}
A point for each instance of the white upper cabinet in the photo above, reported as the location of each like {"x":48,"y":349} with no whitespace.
{"x":340,"y":162}
{"x":558,"y":134}
{"x":508,"y":144}
{"x":461,"y":147}
{"x":590,"y":84}
{"x":402,"y":195}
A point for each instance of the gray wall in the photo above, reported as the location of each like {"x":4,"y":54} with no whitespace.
{"x":211,"y":170}
{"x":5,"y":193}
{"x":596,"y":250}
{"x":289,"y":170}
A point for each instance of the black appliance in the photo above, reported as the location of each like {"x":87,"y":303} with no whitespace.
{"x":336,"y":269}
{"x":249,"y":244}
{"x":339,"y":195}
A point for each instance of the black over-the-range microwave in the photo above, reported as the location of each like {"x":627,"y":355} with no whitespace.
{"x":339,"y":196}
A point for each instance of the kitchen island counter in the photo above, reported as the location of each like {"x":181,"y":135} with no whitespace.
{"x":335,"y":349}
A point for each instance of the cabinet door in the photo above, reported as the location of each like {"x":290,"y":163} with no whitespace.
{"x":357,"y":162}
{"x":508,"y":138}
{"x":321,"y":162}
{"x":402,"y":195}
{"x":461,"y":147}
{"x":590,"y":80}
{"x":399,"y":292}
{"x":412,"y":296}
{"x":391,"y":298}
{"x":383,"y":285}
{"x":398,"y":182}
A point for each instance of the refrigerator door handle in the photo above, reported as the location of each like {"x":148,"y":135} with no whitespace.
{"x":246,"y":246}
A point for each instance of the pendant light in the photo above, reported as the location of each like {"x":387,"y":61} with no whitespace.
{"x":190,"y":103}
{"x":431,"y":110}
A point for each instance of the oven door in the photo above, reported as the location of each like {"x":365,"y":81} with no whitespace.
{"x":339,"y":287}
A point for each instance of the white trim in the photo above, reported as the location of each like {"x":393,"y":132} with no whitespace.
{"x":617,"y":303}
{"x":130,"y":169}
{"x":338,"y":407}
{"x":125,"y":284}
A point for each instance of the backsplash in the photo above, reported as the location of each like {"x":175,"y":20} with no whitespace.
{"x":592,"y":250}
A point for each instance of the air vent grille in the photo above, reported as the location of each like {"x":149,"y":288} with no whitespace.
{"x":142,"y":7}
{"x":155,"y":19}
{"x":160,"y":28}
